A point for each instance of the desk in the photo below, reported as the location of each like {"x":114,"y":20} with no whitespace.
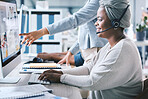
{"x":58,"y":89}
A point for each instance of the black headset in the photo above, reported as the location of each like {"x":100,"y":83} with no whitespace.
{"x":116,"y":22}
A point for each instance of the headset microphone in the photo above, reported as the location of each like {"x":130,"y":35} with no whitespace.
{"x":116,"y":22}
{"x":104,"y":30}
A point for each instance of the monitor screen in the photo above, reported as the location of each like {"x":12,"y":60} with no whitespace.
{"x":9,"y":30}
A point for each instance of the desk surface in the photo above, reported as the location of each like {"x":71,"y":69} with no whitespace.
{"x":58,"y":89}
{"x":141,"y":43}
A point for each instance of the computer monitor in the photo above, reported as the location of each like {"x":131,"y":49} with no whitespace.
{"x":23,"y":19}
{"x":23,"y":14}
{"x":9,"y":40}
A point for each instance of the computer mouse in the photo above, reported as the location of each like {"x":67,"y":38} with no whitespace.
{"x":38,"y":60}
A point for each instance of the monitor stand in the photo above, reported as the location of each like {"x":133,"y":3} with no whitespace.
{"x":9,"y":80}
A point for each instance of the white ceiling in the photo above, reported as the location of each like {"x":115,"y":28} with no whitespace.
{"x":56,"y":3}
{"x":72,"y":3}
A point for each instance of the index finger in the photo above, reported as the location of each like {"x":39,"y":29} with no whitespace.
{"x":41,"y":76}
{"x":23,"y":34}
{"x":67,"y":62}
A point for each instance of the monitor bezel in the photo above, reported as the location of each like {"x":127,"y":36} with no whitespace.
{"x":10,"y":58}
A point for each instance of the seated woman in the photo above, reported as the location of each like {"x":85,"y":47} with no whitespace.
{"x":115,"y":72}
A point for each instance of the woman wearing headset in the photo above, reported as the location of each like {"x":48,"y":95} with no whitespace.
{"x":115,"y":72}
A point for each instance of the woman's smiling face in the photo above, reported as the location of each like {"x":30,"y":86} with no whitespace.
{"x":103,"y":23}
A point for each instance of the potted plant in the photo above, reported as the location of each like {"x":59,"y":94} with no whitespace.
{"x":141,"y":30}
{"x":146,"y":28}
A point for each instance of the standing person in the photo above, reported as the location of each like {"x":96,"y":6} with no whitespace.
{"x":116,"y":71}
{"x":88,"y":43}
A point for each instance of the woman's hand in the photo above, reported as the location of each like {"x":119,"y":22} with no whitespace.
{"x":32,"y":36}
{"x":52,"y":77}
{"x":66,"y":59}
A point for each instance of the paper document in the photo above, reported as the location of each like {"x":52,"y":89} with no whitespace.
{"x":22,"y":91}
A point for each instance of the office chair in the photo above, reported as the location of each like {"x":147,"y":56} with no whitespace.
{"x":144,"y":93}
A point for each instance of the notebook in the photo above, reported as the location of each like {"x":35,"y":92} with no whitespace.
{"x":30,"y":71}
{"x":19,"y":92}
{"x":34,"y":79}
{"x":41,"y":66}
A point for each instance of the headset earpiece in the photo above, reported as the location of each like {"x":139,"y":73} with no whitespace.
{"x":115,"y":23}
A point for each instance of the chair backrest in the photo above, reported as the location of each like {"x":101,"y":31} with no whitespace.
{"x":144,"y":93}
{"x":145,"y":84}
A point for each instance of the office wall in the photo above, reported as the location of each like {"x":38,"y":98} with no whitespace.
{"x":146,"y":3}
{"x":136,"y":9}
{"x":139,"y":5}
